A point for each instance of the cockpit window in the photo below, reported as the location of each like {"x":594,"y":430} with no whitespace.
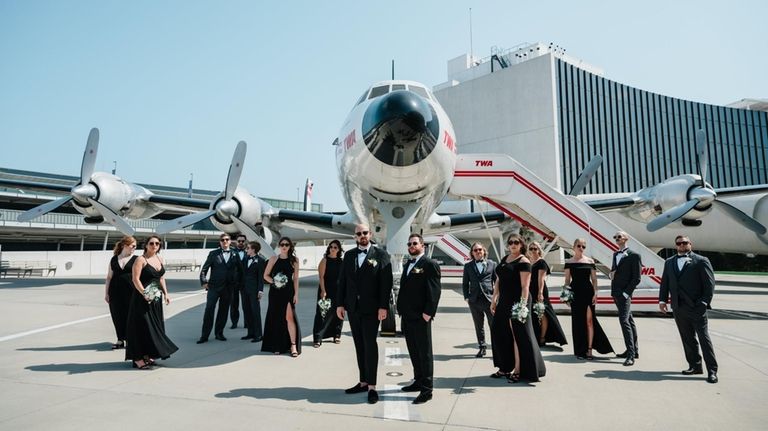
{"x":360,"y":100}
{"x":379,"y":91}
{"x":398,"y":87}
{"x":421,"y":91}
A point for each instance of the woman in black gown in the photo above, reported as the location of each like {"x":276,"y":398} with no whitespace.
{"x":328,"y":271}
{"x":146,"y":339}
{"x":547,"y":328}
{"x":118,"y":287}
{"x":581,"y":276}
{"x":514,"y":345}
{"x":281,"y":327}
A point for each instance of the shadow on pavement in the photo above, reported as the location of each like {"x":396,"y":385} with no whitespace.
{"x":73,"y":368}
{"x":642,"y":376}
{"x":97,"y":347}
{"x":293,"y":393}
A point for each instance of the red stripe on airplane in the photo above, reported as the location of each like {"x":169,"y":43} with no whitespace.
{"x":518,"y":218}
{"x":456,"y":249}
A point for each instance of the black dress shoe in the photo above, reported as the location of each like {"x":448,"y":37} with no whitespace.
{"x":221,"y":338}
{"x":201,"y":341}
{"x":423,"y":397}
{"x":712,"y":378}
{"x":629,"y":362}
{"x":622,"y":355}
{"x":480,"y":353}
{"x":256,"y":339}
{"x":247,"y":337}
{"x":693,"y":370}
{"x":356,"y":389}
{"x":373,"y":396}
{"x":413,"y":387}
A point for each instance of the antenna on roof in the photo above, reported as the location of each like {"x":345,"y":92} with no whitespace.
{"x":471,"y":53}
{"x":393,"y":69}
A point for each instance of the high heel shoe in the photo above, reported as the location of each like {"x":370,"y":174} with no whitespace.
{"x":294,"y":352}
{"x":589,"y":355}
{"x":513,"y":378}
{"x":143,"y":366}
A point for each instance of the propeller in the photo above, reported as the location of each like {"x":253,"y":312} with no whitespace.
{"x":226,"y":208}
{"x":701,"y":195}
{"x":586,"y":175}
{"x":252,"y":235}
{"x":112,"y":218}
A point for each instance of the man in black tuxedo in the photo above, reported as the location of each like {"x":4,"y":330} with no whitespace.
{"x":226,"y":273}
{"x":364,"y":289}
{"x":477,"y":285}
{"x":625,"y":276}
{"x":417,"y":304}
{"x":253,"y":290}
{"x":689,"y":280}
{"x":237,"y":292}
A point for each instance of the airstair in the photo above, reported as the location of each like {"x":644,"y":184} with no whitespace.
{"x":509,"y":186}
{"x":455,"y":249}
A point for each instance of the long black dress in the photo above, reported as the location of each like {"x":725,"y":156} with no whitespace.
{"x":146,"y":326}
{"x":330,"y":326}
{"x":120,"y":288}
{"x":276,"y":337}
{"x":583,"y":291}
{"x":555,"y":332}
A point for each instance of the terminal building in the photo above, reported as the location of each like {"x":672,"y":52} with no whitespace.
{"x":553,"y":112}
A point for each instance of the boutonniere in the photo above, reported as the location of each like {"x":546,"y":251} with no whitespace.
{"x":417,"y":270}
{"x":687,"y":260}
{"x":373,"y":262}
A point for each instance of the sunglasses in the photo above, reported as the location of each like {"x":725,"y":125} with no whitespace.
{"x":153,"y":243}
{"x":682,"y":243}
{"x":224,"y":240}
{"x":532,"y":248}
{"x":363,"y":233}
{"x":477,"y":249}
{"x":413,"y":244}
{"x":617,"y":237}
{"x":581,"y":246}
{"x":240,"y":240}
{"x":513,"y":242}
{"x":284,"y":244}
{"x":333,"y":247}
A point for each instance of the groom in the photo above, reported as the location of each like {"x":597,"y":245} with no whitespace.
{"x":365,"y":286}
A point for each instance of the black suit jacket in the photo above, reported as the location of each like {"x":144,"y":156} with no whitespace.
{"x":368,"y":288}
{"x":474,"y":283}
{"x":223,"y":274}
{"x":626,"y":276}
{"x":253,"y":276}
{"x":694,"y":285}
{"x":419,"y":290}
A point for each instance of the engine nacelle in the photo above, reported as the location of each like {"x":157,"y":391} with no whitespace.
{"x":125,"y":199}
{"x":673,"y":192}
{"x":248,"y":208}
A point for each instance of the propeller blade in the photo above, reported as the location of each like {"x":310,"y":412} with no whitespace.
{"x":89,"y":156}
{"x":250,"y":233}
{"x":586,"y":175}
{"x":235,"y":170}
{"x":182,"y":222}
{"x":112,"y":218}
{"x":742,"y":218}
{"x":703,"y":154}
{"x":42,"y":209}
{"x":669,"y":216}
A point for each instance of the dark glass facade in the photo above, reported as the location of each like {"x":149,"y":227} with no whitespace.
{"x":645,"y":138}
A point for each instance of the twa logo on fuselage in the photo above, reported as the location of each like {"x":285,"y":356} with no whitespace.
{"x":648,"y":271}
{"x":350,"y":140}
{"x":449,"y":142}
{"x":484,"y":163}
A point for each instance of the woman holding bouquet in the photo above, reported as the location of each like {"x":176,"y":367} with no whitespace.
{"x":581,"y":278}
{"x":328,"y":325}
{"x":545,"y":326}
{"x":145,"y":334}
{"x":281,"y":328}
{"x":515,"y":350}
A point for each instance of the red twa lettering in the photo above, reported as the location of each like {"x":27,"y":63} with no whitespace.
{"x":484,"y":163}
{"x":648,"y":271}
{"x":350,"y":140}
{"x":449,"y":142}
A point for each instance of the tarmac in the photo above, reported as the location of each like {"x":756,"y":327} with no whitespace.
{"x":57,"y":371}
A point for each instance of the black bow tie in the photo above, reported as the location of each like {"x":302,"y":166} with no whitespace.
{"x":411,"y":261}
{"x":225,"y":251}
{"x":682,"y":256}
{"x":363,"y":251}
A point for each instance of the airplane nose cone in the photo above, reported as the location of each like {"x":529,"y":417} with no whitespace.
{"x":705,"y":196}
{"x":400,"y":128}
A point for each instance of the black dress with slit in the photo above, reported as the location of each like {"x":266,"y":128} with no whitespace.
{"x":146,"y":326}
{"x":120,"y":288}
{"x":330,"y":325}
{"x":555,"y":332}
{"x":583,"y":292}
{"x":276,"y":337}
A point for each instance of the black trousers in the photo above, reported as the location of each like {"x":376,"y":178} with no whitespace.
{"x":693,"y":322}
{"x":252,"y":312}
{"x":222,"y":296}
{"x":418,"y":338}
{"x":234,"y":310}
{"x":627,"y":323}
{"x":364,"y":331}
{"x":479,"y":308}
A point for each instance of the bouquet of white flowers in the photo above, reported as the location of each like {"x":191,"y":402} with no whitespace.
{"x":520,"y":311}
{"x":538,"y":309}
{"x":280,"y":280}
{"x":152,"y":292}
{"x":566,"y":295}
{"x":325,"y":305}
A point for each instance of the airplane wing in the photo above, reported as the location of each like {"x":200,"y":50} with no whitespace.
{"x":607,"y":204}
{"x":32,"y":185}
{"x":739,"y":191}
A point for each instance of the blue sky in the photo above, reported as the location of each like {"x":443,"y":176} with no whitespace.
{"x":174,"y":85}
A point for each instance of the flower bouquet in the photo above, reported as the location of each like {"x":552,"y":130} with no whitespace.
{"x":152,"y":292}
{"x":538,"y":309}
{"x":520,"y":311}
{"x":280,"y":280}
{"x":566,"y":295}
{"x":325,"y":305}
